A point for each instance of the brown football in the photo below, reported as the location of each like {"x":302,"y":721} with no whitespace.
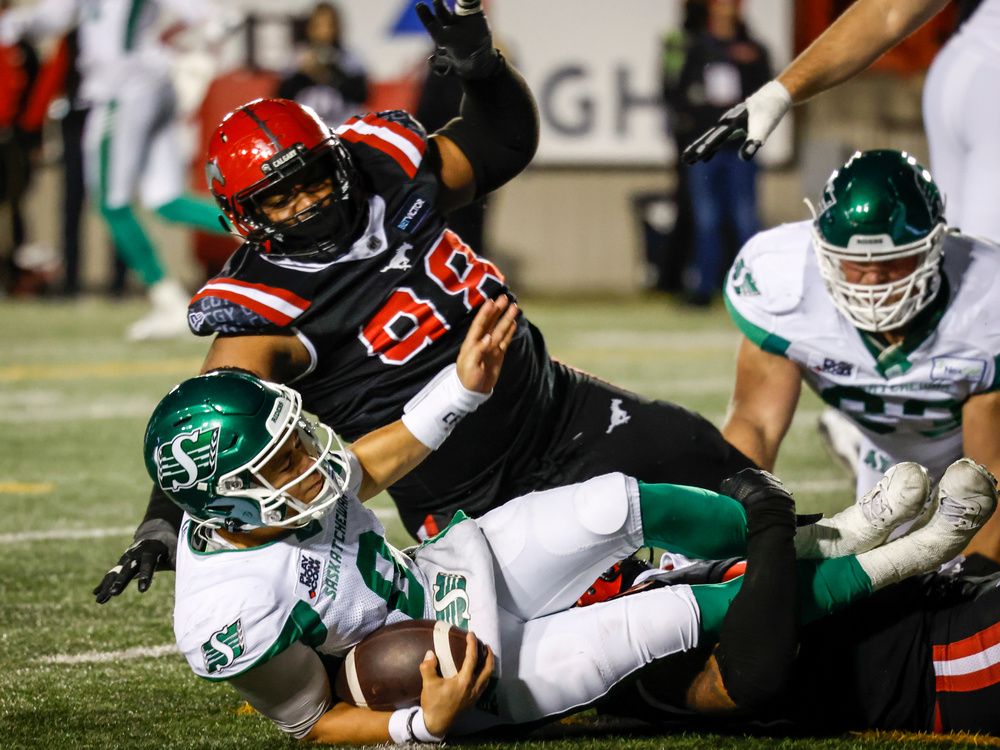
{"x":383,"y":671}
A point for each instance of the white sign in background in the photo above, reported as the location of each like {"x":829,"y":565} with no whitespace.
{"x":593,"y":65}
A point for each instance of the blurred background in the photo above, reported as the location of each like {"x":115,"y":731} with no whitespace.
{"x":602,"y":210}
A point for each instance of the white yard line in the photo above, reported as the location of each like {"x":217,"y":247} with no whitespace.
{"x":384,"y":514}
{"x":103,"y":657}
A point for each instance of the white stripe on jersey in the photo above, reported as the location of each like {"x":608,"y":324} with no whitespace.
{"x":274,"y":302}
{"x":409,"y":150}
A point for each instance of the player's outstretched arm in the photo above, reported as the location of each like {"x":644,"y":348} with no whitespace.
{"x":496,"y":133}
{"x":389,"y":453}
{"x":851,"y":43}
{"x":765,"y":395}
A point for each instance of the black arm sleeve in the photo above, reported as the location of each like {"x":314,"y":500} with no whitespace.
{"x":497,"y":128}
{"x":759,"y":636}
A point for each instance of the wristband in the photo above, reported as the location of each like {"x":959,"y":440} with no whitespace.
{"x":419,"y":729}
{"x":432,"y":414}
{"x":399,"y":725}
{"x":407,"y":725}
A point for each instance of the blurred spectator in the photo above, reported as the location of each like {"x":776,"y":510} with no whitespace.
{"x":132,"y":135}
{"x":675,"y":51}
{"x":723,"y":65}
{"x":18,"y":71}
{"x":328,"y":77}
{"x":440,"y":97}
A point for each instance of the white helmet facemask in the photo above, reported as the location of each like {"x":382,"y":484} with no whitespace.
{"x":279,"y":507}
{"x":881,"y":307}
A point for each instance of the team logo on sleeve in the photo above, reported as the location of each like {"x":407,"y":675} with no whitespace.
{"x":188,"y":459}
{"x":224,"y":647}
{"x":743,"y":281}
{"x":451,"y":599}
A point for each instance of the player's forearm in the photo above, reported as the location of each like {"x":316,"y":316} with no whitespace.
{"x":349,"y":725}
{"x":753,"y":440}
{"x":162,"y":518}
{"x":386,"y":456}
{"x":854,"y":41}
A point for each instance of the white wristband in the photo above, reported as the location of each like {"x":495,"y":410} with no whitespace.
{"x":420,"y":729}
{"x":432,"y":414}
{"x":399,"y":725}
{"x":407,"y":725}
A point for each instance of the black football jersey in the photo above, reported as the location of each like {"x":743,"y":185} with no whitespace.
{"x":383,"y":318}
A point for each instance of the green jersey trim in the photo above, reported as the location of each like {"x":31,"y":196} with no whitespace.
{"x":894,"y":359}
{"x":769,"y":342}
{"x":995,"y":385}
{"x":303,"y":624}
{"x":132,"y":24}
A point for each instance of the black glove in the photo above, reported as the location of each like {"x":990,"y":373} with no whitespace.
{"x":463,"y":39}
{"x":750,"y":486}
{"x":139,"y":562}
{"x":732,"y":125}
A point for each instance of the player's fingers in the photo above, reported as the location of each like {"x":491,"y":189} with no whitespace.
{"x":103,"y":590}
{"x":428,"y":667}
{"x":442,"y":12}
{"x":426,"y":16}
{"x":469,"y":665}
{"x":147,"y":566}
{"x":503,"y":331}
{"x":486,"y":318}
{"x":483,"y":678}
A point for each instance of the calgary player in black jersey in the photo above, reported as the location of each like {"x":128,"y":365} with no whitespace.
{"x":351,"y":286}
{"x":920,"y":656}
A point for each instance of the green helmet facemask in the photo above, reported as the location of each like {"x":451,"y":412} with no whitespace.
{"x":209,"y":438}
{"x":880,"y":206}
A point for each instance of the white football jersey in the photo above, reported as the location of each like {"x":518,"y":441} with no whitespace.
{"x":983,"y":26}
{"x":328,"y":585}
{"x":907,"y":399}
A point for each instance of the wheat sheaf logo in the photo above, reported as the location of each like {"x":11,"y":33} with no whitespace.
{"x":188,"y":459}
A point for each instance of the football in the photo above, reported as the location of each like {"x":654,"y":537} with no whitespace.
{"x":383,"y":671}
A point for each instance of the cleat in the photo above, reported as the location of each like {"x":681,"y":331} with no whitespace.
{"x":966,"y":498}
{"x":167,"y":319}
{"x":896,"y":499}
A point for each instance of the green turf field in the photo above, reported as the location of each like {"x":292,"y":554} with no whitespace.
{"x":74,"y":398}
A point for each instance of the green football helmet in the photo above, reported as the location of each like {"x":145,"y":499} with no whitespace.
{"x":209,"y":438}
{"x":880,"y":206}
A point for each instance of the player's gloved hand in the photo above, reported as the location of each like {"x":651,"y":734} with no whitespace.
{"x":750,"y":487}
{"x":753,"y":120}
{"x":139,"y":561}
{"x":463,"y":39}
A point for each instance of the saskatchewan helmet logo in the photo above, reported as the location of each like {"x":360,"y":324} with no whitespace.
{"x":224,"y":647}
{"x":451,"y":600}
{"x":188,"y":459}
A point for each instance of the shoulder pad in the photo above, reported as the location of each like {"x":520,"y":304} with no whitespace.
{"x":229,"y":305}
{"x":769,"y":271}
{"x":390,"y":140}
{"x":972,"y":265}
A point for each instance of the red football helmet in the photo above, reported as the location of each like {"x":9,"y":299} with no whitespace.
{"x":276,"y":147}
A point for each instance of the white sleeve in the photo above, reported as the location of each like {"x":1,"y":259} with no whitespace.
{"x":46,"y":18}
{"x":291,"y":689}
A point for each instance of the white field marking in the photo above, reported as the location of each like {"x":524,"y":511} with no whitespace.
{"x":73,"y":410}
{"x":20,"y":537}
{"x":629,"y":339}
{"x":116,"y":369}
{"x":101,"y":657}
{"x":64,"y":534}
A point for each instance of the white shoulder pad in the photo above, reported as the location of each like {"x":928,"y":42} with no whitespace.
{"x":768,"y":273}
{"x":225,"y":630}
{"x":972,"y":265}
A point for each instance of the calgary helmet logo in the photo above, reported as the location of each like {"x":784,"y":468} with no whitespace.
{"x":188,"y":459}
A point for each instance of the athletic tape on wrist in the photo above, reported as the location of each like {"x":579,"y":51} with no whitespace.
{"x":400,"y":725}
{"x":432,"y":414}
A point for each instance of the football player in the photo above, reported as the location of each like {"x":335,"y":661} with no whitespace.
{"x":352,"y":287}
{"x":885,"y":312}
{"x":964,"y":78}
{"x":920,"y":656}
{"x":132,"y":136}
{"x":281,"y":569}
